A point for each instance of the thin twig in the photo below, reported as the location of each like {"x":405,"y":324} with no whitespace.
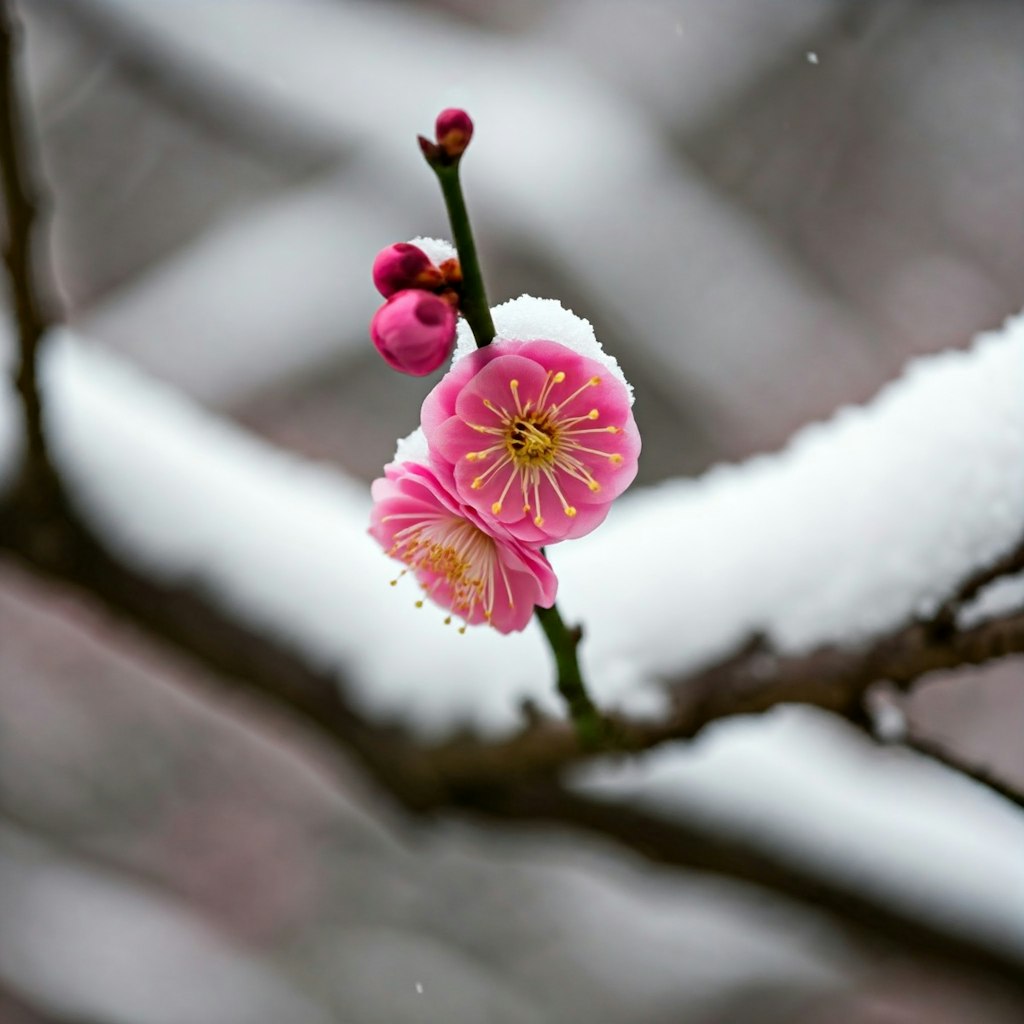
{"x":693,"y":846}
{"x":593,"y":730}
{"x":473,"y":302}
{"x":23,"y":245}
{"x":591,"y":727}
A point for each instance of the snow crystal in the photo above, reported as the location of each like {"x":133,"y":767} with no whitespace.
{"x":529,"y":319}
{"x":438,"y":249}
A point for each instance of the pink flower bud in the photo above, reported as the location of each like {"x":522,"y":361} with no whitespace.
{"x":403,"y":265}
{"x":414,"y":331}
{"x":453,"y":129}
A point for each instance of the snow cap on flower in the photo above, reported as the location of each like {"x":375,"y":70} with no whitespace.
{"x":480,"y":575}
{"x":439,"y":250}
{"x":453,"y":130}
{"x":528,"y":318}
{"x":404,"y":265}
{"x":414,"y":331}
{"x":534,"y":436}
{"x":412,"y":448}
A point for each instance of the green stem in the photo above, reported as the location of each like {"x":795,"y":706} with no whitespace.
{"x":591,"y":727}
{"x":473,"y":305}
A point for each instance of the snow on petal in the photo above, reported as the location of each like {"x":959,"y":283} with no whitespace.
{"x":528,"y":319}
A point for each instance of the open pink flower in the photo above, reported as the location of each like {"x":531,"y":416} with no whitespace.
{"x":480,"y":574}
{"x":534,"y":436}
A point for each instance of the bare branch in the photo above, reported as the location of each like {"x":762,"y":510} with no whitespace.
{"x":693,"y":846}
{"x":23,"y":244}
{"x":515,"y":780}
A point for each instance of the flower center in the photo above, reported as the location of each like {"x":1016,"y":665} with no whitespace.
{"x":531,"y":441}
{"x":452,"y":551}
{"x":539,"y":440}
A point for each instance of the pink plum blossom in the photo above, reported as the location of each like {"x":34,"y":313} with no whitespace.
{"x":404,"y":265}
{"x":414,"y":331}
{"x":480,"y":573}
{"x":537,"y":438}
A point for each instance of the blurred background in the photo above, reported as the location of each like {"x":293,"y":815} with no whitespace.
{"x":765,"y":207}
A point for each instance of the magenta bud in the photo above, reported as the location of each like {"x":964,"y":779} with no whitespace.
{"x":414,"y":331}
{"x":403,"y":265}
{"x":453,"y":129}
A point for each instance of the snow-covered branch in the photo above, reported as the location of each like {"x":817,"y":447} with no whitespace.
{"x":258,"y":564}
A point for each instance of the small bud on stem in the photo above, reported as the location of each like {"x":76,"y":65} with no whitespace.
{"x":414,"y":331}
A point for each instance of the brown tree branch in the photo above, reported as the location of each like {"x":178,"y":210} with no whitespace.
{"x":686,"y":844}
{"x":23,"y":247}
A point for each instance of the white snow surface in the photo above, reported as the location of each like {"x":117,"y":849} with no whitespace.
{"x":438,"y":249}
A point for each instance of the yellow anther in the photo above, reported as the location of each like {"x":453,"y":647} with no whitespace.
{"x":538,"y":521}
{"x":448,"y":621}
{"x":496,"y":507}
{"x":615,"y":460}
{"x":594,"y":486}
{"x":594,"y":381}
{"x":570,"y":511}
{"x":614,"y":430}
{"x":558,"y":377}
{"x":593,"y":414}
{"x":462,"y":629}
{"x":472,"y":456}
{"x":477,"y":483}
{"x":513,"y":384}
{"x":526,"y":509}
{"x":419,"y":604}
